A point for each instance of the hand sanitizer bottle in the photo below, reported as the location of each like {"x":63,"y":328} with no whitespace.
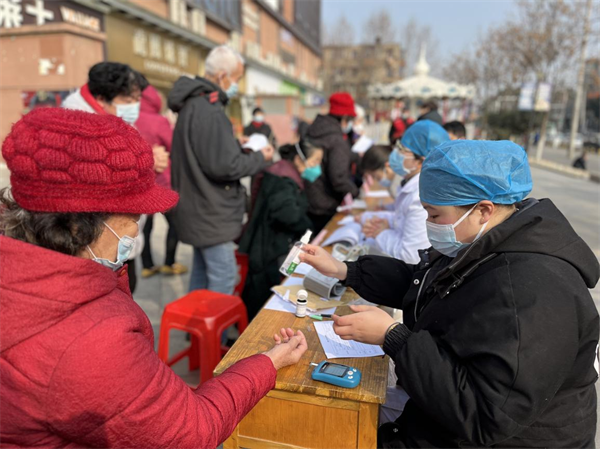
{"x":293,"y":260}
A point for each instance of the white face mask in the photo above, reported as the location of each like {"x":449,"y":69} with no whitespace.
{"x":129,"y":112}
{"x":443,"y":237}
{"x":358,"y":129}
{"x":124,"y":250}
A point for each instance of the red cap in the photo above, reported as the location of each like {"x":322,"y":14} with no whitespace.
{"x":341,"y":103}
{"x":72,"y":161}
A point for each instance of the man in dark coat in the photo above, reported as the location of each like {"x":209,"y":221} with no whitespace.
{"x":207,"y":164}
{"x":259,"y":126}
{"x":429,"y":111}
{"x":328,"y":132}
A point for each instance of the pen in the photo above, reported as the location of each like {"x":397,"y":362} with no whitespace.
{"x":320,"y":317}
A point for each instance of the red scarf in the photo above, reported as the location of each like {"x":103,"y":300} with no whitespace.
{"x":89,"y":99}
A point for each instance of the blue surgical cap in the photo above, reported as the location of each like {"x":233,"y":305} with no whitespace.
{"x":464,"y":172}
{"x":423,"y":136}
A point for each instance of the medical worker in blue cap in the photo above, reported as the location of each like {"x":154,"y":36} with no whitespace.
{"x":500,"y":334}
{"x":401,"y":233}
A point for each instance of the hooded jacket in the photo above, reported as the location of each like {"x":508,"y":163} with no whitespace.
{"x":499,"y":344}
{"x":279,"y":219}
{"x":207,"y":164}
{"x":78,"y":366}
{"x":328,"y":191}
{"x":155,"y":128}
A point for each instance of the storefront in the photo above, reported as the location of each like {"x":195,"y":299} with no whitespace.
{"x":160,"y":56}
{"x":47,"y":48}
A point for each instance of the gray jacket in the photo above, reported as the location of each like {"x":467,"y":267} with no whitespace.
{"x":206,"y":165}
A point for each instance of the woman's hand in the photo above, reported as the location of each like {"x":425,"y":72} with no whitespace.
{"x":368,"y":325}
{"x":375,"y":226}
{"x":323,"y":262}
{"x":288,"y":348}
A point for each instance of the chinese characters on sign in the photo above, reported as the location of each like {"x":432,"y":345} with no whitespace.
{"x":17,"y":13}
{"x":152,"y":45}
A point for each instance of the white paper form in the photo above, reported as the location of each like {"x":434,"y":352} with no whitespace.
{"x":336,"y":348}
{"x":378,"y":194}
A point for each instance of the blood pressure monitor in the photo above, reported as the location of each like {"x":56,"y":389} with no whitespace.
{"x":336,"y":374}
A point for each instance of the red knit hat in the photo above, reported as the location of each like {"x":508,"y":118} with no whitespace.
{"x":341,"y":103}
{"x":71,"y":161}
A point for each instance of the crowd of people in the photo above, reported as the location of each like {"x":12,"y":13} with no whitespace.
{"x":498,"y":346}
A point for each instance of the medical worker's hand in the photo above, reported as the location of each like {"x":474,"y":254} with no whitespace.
{"x":375,"y":226}
{"x":323,"y":262}
{"x":288,"y":348}
{"x":368,"y":325}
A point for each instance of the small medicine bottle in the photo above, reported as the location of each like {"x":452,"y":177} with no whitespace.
{"x":301,"y":302}
{"x":293,"y":258}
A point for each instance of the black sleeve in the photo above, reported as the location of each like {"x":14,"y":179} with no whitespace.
{"x":219,"y":153}
{"x":337,"y":169}
{"x":496,"y":370}
{"x":382,"y":280}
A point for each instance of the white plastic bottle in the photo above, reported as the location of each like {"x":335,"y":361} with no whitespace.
{"x":293,"y":258}
{"x":301,"y":302}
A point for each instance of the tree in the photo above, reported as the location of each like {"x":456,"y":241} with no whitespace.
{"x":342,"y":33}
{"x":412,"y":37}
{"x":379,"y":26}
{"x":540,"y":43}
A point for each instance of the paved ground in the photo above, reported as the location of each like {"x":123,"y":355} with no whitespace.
{"x":561,"y":156}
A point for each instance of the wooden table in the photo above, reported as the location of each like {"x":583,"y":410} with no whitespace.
{"x":300,"y":412}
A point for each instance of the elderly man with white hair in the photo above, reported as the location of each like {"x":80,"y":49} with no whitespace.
{"x":207,"y":164}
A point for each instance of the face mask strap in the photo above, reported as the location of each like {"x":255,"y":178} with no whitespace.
{"x":90,"y":251}
{"x":300,"y":153}
{"x":112,"y":230}
{"x":481,"y":230}
{"x":464,"y":216}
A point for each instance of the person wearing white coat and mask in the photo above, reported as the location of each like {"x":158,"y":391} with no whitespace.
{"x":401,"y":233}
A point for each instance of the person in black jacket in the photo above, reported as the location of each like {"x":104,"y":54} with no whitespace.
{"x":328,"y":132}
{"x":500,"y":334}
{"x":429,"y":111}
{"x":279,"y":219}
{"x":258,"y":126}
{"x":207,"y":164}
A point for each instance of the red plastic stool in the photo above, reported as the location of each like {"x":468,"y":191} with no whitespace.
{"x":242,"y":267}
{"x":204,"y":315}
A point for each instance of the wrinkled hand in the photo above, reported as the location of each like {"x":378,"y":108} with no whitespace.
{"x":323,"y":262}
{"x":288,"y":348}
{"x":358,"y":218}
{"x":268,"y":152}
{"x":161,"y":158}
{"x":375,"y":226}
{"x":368,"y":325}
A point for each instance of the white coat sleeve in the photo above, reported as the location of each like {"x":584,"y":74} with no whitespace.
{"x":405,"y":242}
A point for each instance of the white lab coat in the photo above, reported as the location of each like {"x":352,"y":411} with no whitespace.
{"x":408,"y":232}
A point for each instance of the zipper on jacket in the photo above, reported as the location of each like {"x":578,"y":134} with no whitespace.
{"x":419,"y":292}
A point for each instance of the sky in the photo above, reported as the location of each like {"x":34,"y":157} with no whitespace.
{"x":454,"y":23}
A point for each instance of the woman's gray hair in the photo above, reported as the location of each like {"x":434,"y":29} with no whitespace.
{"x":67,"y":233}
{"x":222,"y":58}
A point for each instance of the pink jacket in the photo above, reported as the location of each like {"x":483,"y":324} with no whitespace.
{"x":155,"y":128}
{"x":78,"y":367}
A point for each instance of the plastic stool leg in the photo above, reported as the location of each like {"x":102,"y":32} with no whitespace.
{"x":163,"y":342}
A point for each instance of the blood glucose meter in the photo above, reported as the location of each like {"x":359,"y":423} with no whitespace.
{"x":336,"y":374}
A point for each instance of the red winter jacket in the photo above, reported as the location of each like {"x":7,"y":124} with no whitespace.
{"x":155,"y":128}
{"x":78,"y":367}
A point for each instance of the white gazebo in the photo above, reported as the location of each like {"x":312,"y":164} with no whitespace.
{"x":421,"y":86}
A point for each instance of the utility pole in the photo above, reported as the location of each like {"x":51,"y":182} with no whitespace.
{"x":580,"y":80}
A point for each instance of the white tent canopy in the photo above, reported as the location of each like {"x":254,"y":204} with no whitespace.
{"x":421,"y":85}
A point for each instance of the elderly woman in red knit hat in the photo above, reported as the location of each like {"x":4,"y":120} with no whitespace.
{"x":77,"y":360}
